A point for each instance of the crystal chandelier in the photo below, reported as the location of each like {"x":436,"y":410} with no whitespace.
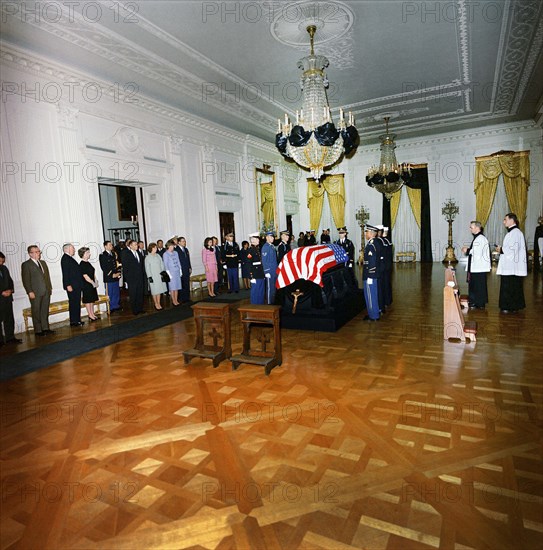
{"x":314,"y":142}
{"x":389,"y":177}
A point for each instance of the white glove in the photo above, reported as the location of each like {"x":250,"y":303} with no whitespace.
{"x":253,"y":281}
{"x":268,"y":276}
{"x":224,"y":267}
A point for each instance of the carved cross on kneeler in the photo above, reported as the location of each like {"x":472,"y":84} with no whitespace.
{"x":215,"y":335}
{"x":263,"y":339}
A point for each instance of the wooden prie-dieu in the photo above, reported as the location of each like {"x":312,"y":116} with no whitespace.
{"x":216,"y":317}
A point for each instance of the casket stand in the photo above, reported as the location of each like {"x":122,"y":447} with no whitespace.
{"x":325,"y":308}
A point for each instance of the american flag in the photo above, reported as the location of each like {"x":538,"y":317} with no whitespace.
{"x":309,"y":262}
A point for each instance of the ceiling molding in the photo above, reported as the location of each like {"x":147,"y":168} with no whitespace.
{"x":39,"y":67}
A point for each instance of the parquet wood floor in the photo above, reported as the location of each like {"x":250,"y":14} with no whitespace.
{"x":380,"y":436}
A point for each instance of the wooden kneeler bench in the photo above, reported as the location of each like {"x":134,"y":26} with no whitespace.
{"x":454,"y":325}
{"x":263,"y":316}
{"x":216,"y":317}
{"x":64,"y":306}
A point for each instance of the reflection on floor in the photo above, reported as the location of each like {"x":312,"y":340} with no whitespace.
{"x":381,"y":435}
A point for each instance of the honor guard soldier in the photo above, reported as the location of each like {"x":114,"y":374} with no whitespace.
{"x":230,"y":259}
{"x":346,"y":244}
{"x":370,"y":274}
{"x":387,"y":272}
{"x":311,"y":239}
{"x":381,"y":246}
{"x":284,"y":245}
{"x":256,"y":270}
{"x":112,"y":273}
{"x":269,"y":262}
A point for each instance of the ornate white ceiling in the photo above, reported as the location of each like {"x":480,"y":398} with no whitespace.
{"x":432,"y":66}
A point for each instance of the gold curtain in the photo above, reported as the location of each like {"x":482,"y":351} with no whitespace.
{"x":315,"y":200}
{"x":266,"y":193}
{"x":394,"y":207}
{"x":515,"y":168}
{"x":334,"y":185}
{"x":415,"y":200}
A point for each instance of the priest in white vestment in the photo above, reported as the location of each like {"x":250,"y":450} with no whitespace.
{"x":512,"y":267}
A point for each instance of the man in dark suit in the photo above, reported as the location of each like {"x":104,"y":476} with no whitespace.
{"x":72,"y":281}
{"x":134,"y":273}
{"x":160,"y":247}
{"x":7,"y":322}
{"x":186,"y":269}
{"x":112,"y":274}
{"x":220,"y":274}
{"x":37,"y":284}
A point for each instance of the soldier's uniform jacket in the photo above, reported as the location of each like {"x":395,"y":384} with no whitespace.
{"x":269,"y":259}
{"x":255,"y":262}
{"x":282,"y":250}
{"x":371,"y":261}
{"x":381,"y":252}
{"x":108,"y":264}
{"x":348,"y":246}
{"x":388,"y":254}
{"x":230,"y":254}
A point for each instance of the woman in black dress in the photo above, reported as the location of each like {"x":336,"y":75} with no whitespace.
{"x":90,"y":284}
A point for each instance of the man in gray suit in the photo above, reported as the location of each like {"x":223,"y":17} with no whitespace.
{"x":37,"y":284}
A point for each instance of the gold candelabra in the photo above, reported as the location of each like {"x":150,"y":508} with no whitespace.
{"x":450,"y":211}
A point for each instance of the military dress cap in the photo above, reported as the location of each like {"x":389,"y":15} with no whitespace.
{"x":371,"y":227}
{"x":312,"y":230}
{"x":342,"y":230}
{"x":285,"y":232}
{"x":380,"y":227}
{"x":272,"y":233}
{"x":385,"y":228}
{"x":229,"y":235}
{"x":255,"y":235}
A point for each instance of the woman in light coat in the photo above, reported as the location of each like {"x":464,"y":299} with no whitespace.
{"x":154,"y":265}
{"x":173,"y":267}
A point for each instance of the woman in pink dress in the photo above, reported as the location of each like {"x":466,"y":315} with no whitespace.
{"x":210,"y":263}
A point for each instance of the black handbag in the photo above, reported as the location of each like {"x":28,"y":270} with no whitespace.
{"x":165,"y":276}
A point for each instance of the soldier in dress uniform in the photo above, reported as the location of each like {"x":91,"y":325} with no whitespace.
{"x":325,"y":237}
{"x":269,"y":262}
{"x":370,"y":274}
{"x":230,"y":259}
{"x":382,"y":245}
{"x":284,"y":245}
{"x":387,"y":272}
{"x":346,"y":244}
{"x":311,"y":238}
{"x":256,"y":270}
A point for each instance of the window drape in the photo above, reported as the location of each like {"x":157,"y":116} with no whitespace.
{"x":515,"y":168}
{"x":334,"y":186}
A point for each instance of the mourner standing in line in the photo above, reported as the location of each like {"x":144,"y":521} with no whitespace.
{"x":186,"y":270}
{"x":346,"y":244}
{"x":220,"y":276}
{"x":269,"y":262}
{"x":512,"y":266}
{"x":112,"y":274}
{"x":230,"y":260}
{"x":284,"y":245}
{"x":7,"y":321}
{"x":479,"y":264}
{"x":133,"y":274}
{"x":256,"y":270}
{"x":37,"y":284}
{"x":72,"y":281}
{"x":370,"y":274}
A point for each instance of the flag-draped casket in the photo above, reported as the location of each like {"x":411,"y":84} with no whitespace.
{"x":316,"y":290}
